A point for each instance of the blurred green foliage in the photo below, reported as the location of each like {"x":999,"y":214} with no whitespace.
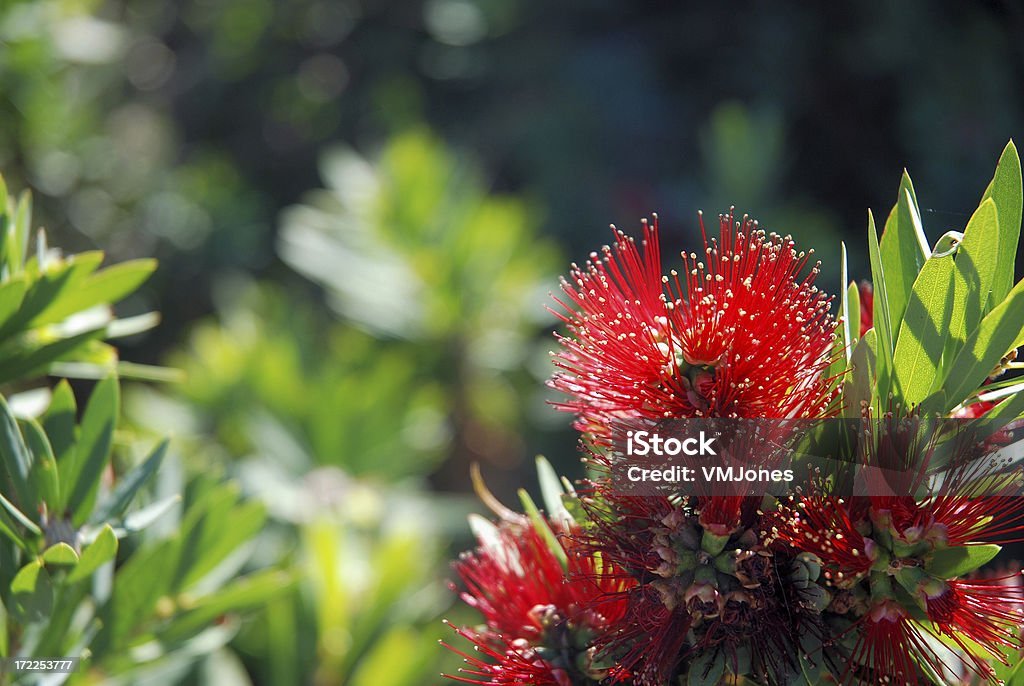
{"x":185,"y":130}
{"x":82,"y":573}
{"x":332,"y":421}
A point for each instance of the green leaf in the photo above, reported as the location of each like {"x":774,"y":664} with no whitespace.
{"x":50,"y":287}
{"x":19,"y":517}
{"x":984,"y":348}
{"x":860,"y":383}
{"x":11,"y":295}
{"x":20,"y":363}
{"x":1006,"y":190}
{"x":44,"y":474}
{"x":31,"y":593}
{"x":883,"y":322}
{"x":952,"y":562}
{"x":542,"y":527}
{"x":128,"y":487}
{"x":16,"y":459}
{"x":16,"y":238}
{"x":707,"y":669}
{"x":903,"y":251}
{"x":59,"y":421}
{"x":95,"y":555}
{"x":976,"y":259}
{"x":923,"y":331}
{"x":552,"y":492}
{"x":105,"y":287}
{"x":60,"y":554}
{"x":9,"y":528}
{"x":83,"y":472}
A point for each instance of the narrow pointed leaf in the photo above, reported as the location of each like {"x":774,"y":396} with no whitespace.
{"x":903,"y":250}
{"x":923,"y":331}
{"x":948,"y":563}
{"x":59,"y":421}
{"x":985,"y":347}
{"x":883,"y":322}
{"x":90,"y":458}
{"x":16,"y":459}
{"x":128,"y":487}
{"x":976,"y":260}
{"x":44,"y":474}
{"x":1006,"y":190}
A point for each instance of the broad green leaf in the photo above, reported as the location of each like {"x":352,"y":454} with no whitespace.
{"x":59,"y":421}
{"x":1006,"y":190}
{"x":11,"y":294}
{"x":95,"y":555}
{"x":956,"y":561}
{"x":60,"y":554}
{"x":105,"y":287}
{"x":16,"y":459}
{"x":985,"y":347}
{"x":44,"y":474}
{"x":883,"y":322}
{"x":903,"y":250}
{"x":128,"y":487}
{"x":82,"y":473}
{"x":31,"y":593}
{"x":923,"y":331}
{"x":976,"y":259}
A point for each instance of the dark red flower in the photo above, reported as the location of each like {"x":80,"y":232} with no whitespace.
{"x":702,"y":586}
{"x":986,"y":613}
{"x":738,"y":333}
{"x":540,"y":614}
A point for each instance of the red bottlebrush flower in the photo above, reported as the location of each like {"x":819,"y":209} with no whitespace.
{"x":538,"y":613}
{"x":739,"y":333}
{"x":514,"y":664}
{"x":970,"y":613}
{"x":986,"y":612}
{"x":825,"y":526}
{"x":889,"y":648}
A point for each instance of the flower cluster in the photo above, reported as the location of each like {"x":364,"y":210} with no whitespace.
{"x":700,"y":588}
